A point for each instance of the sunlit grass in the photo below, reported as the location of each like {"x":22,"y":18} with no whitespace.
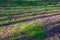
{"x":33,"y":29}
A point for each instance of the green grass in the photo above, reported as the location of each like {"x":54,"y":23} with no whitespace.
{"x":24,"y":10}
{"x":33,"y":29}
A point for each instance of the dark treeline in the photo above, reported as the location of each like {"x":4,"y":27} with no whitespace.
{"x":10,"y":3}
